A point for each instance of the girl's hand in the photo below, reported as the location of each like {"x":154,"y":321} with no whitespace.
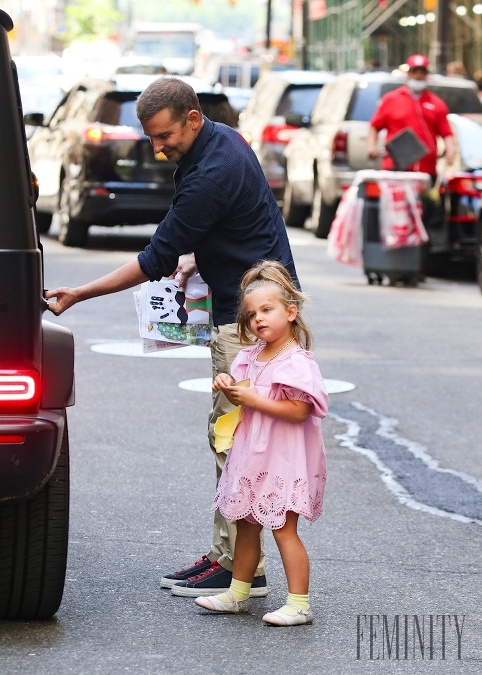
{"x":222,"y":382}
{"x":240,"y":395}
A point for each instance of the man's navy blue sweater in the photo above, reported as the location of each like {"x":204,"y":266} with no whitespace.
{"x":223,"y":210}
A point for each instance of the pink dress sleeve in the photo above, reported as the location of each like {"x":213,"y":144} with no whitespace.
{"x":239,"y":367}
{"x":298,"y":378}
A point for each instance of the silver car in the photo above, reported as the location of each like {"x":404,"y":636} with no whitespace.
{"x":263,"y":124}
{"x":323,"y":156}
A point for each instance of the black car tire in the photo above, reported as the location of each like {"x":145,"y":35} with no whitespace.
{"x":72,"y":232}
{"x":294,"y":214}
{"x":33,"y":551}
{"x":44,"y":221}
{"x":323,"y":215}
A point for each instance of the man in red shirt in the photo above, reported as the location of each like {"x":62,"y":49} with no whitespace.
{"x":413,"y":106}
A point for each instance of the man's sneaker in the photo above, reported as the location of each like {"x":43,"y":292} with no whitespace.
{"x":182,"y":575}
{"x":215,"y":580}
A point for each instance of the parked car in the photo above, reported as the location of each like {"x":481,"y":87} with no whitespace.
{"x":95,"y":165}
{"x":36,"y":386}
{"x":277,"y":95}
{"x":330,"y":146}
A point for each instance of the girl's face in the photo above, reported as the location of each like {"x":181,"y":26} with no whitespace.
{"x":269,"y":319}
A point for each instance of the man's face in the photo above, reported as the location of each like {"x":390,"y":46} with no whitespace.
{"x":173,"y":138}
{"x":417,"y":74}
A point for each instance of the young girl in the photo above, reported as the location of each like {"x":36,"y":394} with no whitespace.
{"x":275,"y":470}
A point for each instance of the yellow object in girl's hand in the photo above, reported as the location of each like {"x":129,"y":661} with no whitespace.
{"x":224,"y":429}
{"x":226,"y":425}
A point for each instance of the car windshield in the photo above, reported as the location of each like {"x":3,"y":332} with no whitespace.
{"x":460,"y":100}
{"x":119,"y":109}
{"x":298,"y":100}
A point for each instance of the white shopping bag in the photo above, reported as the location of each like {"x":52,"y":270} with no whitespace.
{"x":169,"y":317}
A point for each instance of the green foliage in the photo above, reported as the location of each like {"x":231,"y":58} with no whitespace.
{"x":91,"y":20}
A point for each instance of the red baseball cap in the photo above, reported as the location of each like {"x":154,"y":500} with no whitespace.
{"x":417,"y":61}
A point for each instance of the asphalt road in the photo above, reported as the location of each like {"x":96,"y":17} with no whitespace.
{"x":396,"y":556}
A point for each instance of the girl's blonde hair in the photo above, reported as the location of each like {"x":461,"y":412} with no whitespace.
{"x":275,"y":274}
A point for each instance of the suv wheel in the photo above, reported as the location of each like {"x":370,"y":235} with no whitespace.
{"x":34,"y":539}
{"x":294,"y":214}
{"x":72,"y":232}
{"x":323,"y":215}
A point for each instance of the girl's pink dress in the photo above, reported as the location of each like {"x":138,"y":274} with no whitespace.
{"x":274,"y":465}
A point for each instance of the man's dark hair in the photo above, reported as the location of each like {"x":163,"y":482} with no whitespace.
{"x":167,"y":92}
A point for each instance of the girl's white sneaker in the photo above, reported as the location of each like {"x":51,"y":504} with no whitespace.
{"x":279,"y":618}
{"x":214,"y":604}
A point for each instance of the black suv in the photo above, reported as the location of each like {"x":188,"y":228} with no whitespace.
{"x":93,"y":162}
{"x":36,"y":386}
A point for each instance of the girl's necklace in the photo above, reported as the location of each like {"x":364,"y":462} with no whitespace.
{"x":272,"y":359}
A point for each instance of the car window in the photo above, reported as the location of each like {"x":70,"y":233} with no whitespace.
{"x":81,"y":106}
{"x":267,"y":92}
{"x":459,"y":100}
{"x":117,"y":109}
{"x":333,"y":101}
{"x":298,"y":100}
{"x":68,"y":106}
{"x":254,"y":75}
{"x":217,"y":108}
{"x":230,"y":75}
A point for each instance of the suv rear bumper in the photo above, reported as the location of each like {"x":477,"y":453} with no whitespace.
{"x":29,"y":449}
{"x":134,"y":204}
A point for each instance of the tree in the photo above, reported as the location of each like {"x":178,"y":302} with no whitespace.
{"x":91,"y":20}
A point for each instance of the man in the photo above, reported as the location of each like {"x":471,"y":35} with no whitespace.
{"x":223,"y":219}
{"x":413,"y":106}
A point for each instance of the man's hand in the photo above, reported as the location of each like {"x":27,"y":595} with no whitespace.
{"x":372,"y":143}
{"x":186,"y":267}
{"x":66,"y":297}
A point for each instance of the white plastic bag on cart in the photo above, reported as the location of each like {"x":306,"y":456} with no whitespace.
{"x":400,"y":215}
{"x":344,"y":238}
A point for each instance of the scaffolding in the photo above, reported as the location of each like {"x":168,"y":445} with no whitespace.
{"x":335,"y":40}
{"x":344,"y":35}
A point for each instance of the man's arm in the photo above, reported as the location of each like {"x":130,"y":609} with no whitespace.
{"x":449,"y":150}
{"x":127,"y":276}
{"x":372,"y":142}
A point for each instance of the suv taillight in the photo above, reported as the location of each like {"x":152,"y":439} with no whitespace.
{"x":464,"y":185}
{"x":19,"y":391}
{"x":278,"y":133}
{"x":339,"y":148}
{"x":96,"y":135}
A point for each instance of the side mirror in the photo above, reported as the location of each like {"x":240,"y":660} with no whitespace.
{"x":298,"y":120}
{"x":34,"y":119}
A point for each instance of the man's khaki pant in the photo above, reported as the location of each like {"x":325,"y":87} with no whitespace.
{"x":224,"y":347}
